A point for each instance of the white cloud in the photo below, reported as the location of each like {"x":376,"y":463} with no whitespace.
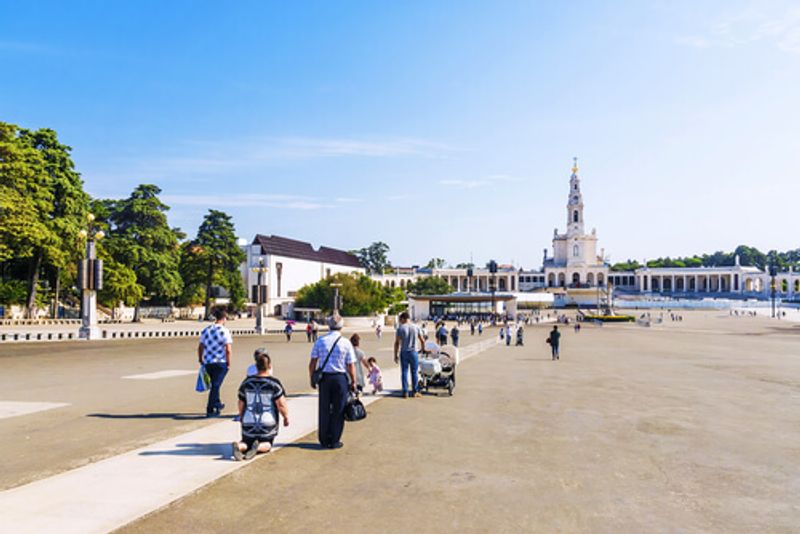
{"x":777,"y":25}
{"x":491,"y":179}
{"x":245,"y":200}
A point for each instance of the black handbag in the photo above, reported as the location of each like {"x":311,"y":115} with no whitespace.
{"x":316,"y":376}
{"x":354,"y":410}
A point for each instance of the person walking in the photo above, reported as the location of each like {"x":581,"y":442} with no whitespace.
{"x":314,"y":331}
{"x":214,"y":352}
{"x":554,"y":339}
{"x":309,"y":331}
{"x":361,"y":361}
{"x":335,"y":356}
{"x":454,"y":335}
{"x":441,"y":334}
{"x":508,"y":335}
{"x":405,"y":352}
{"x":472,"y":328}
{"x":520,"y":337}
{"x":480,"y":329}
{"x":288,"y":331}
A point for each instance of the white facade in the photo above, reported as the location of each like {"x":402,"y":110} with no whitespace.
{"x":285,"y":272}
{"x":575,"y":262}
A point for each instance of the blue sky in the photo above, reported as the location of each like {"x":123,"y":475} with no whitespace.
{"x":442,"y":128}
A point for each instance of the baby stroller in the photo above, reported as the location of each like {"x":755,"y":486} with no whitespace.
{"x":437,"y":368}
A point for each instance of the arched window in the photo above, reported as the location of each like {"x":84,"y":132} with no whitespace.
{"x":576,"y":250}
{"x":575,"y":216}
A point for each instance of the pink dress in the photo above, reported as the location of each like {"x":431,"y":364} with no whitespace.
{"x":375,"y":378}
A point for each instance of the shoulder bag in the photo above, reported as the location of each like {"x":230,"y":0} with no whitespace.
{"x":316,"y":376}
{"x":354,"y":410}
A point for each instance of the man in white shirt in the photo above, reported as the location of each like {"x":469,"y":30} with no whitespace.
{"x":333,"y":388}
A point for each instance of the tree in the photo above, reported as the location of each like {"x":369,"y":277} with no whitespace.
{"x":435,"y":263}
{"x":141,"y":238}
{"x":214,"y":258}
{"x":430,"y":285}
{"x":374,"y":257}
{"x":361,"y":295}
{"x":468,"y":265}
{"x":42,"y":204}
{"x":119,"y":285}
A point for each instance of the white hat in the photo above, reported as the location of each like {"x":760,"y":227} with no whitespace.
{"x":335,"y":322}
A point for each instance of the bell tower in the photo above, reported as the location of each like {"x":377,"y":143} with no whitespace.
{"x":575,"y":203}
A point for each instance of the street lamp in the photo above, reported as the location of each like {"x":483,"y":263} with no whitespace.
{"x":337,"y":300}
{"x":260,"y":297}
{"x":493,"y":271}
{"x":773,"y":272}
{"x":90,"y":279}
{"x":469,"y":280}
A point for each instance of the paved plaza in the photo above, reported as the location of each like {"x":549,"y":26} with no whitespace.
{"x":689,"y":427}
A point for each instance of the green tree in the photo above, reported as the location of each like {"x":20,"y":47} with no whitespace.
{"x":374,"y":258}
{"x":140,"y":237}
{"x":430,"y":285}
{"x":435,"y":263}
{"x":42,"y":204}
{"x":360,"y":295}
{"x":119,"y":285}
{"x":468,"y":265}
{"x":214,"y":257}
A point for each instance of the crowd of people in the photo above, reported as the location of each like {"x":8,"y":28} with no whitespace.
{"x":338,"y":368}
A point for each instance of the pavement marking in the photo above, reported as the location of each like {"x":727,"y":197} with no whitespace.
{"x":123,"y":488}
{"x":15,"y":408}
{"x":161,"y":374}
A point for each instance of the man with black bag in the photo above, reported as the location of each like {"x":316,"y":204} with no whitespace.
{"x":333,"y":361}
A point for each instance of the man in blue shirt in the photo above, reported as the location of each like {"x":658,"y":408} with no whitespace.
{"x":333,"y":388}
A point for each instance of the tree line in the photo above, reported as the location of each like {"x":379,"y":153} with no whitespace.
{"x":748,"y":256}
{"x":44,"y":208}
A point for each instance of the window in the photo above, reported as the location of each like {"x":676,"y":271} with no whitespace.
{"x":575,"y":216}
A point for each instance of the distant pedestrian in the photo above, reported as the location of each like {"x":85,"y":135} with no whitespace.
{"x":441,"y":334}
{"x":309,"y":332}
{"x":454,"y":335}
{"x":214,"y":352}
{"x":261,"y":399}
{"x":519,"y":336}
{"x":314,"y":330}
{"x":577,"y":328}
{"x":480,"y":329}
{"x":288,"y":331}
{"x":502,"y":333}
{"x":334,"y":355}
{"x":554,"y":339}
{"x":405,"y":352}
{"x":508,"y":336}
{"x":472,"y":329}
{"x":379,"y":332}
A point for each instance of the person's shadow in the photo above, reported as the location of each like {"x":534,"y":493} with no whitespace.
{"x":194,"y":449}
{"x":165,"y":415}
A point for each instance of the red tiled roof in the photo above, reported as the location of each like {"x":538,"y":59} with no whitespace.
{"x":291,"y":248}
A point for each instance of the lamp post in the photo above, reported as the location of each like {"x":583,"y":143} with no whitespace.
{"x":773,"y":272}
{"x":337,"y":300}
{"x":260,"y":297}
{"x":469,"y":280}
{"x":90,"y":280}
{"x":493,"y":271}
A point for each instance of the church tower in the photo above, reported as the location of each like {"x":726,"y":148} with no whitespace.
{"x":575,"y":203}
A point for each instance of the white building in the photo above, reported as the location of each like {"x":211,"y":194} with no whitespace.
{"x":575,"y":262}
{"x":287,"y":266}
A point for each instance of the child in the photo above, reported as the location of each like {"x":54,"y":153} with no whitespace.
{"x":261,"y":399}
{"x":375,"y":376}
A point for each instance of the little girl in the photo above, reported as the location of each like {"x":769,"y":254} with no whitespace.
{"x":375,"y":377}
